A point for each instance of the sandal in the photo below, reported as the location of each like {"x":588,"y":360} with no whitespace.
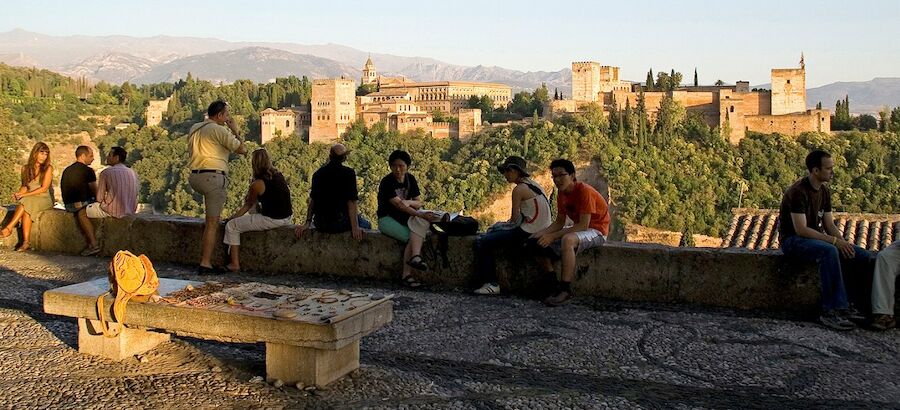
{"x":5,"y":232}
{"x":417,"y":263}
{"x":23,"y":247}
{"x":410,"y":282}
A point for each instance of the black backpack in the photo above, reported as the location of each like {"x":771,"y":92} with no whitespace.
{"x":459,"y":226}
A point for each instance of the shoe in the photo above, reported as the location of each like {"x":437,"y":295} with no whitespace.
{"x":23,"y":247}
{"x":488,"y":289}
{"x":203,"y":270}
{"x":560,"y":298}
{"x":90,"y":251}
{"x":851,"y":313}
{"x":883,"y":322}
{"x":410,"y":282}
{"x":834,"y":320}
{"x":417,"y":263}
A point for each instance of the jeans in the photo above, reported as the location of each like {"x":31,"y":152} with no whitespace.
{"x":487,"y":243}
{"x":340,"y":225}
{"x":827,"y":256}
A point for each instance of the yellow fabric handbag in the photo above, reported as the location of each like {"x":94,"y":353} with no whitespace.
{"x":130,"y":277}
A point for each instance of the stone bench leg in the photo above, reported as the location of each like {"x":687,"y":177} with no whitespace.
{"x":129,"y":343}
{"x":292,"y":364}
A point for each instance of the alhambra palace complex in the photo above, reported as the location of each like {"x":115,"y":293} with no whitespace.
{"x":405,"y":105}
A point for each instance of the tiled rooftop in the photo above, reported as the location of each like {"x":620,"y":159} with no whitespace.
{"x":758,"y":229}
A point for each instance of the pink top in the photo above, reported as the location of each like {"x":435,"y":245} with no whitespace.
{"x":117,"y":190}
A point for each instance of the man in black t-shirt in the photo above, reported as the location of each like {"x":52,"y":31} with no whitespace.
{"x":333,"y":198}
{"x":806,"y":231}
{"x":79,"y":187}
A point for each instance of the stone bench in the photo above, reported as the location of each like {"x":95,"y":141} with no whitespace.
{"x":296,"y":351}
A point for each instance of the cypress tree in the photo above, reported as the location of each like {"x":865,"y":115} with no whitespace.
{"x":696,"y":83}
{"x":650,"y":80}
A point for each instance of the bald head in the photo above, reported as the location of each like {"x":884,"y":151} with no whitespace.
{"x":338,"y":153}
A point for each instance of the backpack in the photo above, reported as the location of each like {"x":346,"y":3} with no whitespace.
{"x":459,"y":226}
{"x":130,"y":277}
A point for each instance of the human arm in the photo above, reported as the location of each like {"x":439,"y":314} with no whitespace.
{"x":518,"y":195}
{"x":557,"y":224}
{"x":354,"y":221}
{"x":833,"y":236}
{"x":46,"y":181}
{"x":237,"y":144}
{"x":584,"y":221}
{"x":299,"y":229}
{"x":256,"y":189}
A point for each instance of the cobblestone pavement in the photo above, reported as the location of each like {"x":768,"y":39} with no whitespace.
{"x":446,"y":349}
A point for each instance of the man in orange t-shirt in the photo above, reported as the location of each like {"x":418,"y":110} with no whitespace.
{"x":589,"y":212}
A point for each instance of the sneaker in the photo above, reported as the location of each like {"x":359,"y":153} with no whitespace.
{"x":883,"y":322}
{"x":91,"y":250}
{"x":488,"y":289}
{"x":835,"y":321}
{"x":851,"y":313}
{"x":560,"y":298}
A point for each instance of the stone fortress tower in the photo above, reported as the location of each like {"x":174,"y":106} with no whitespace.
{"x":333,"y":108}
{"x":789,"y":89}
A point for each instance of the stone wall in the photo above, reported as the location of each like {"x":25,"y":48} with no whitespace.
{"x":622,"y":271}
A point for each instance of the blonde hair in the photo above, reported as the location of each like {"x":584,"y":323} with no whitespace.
{"x":262,"y":165}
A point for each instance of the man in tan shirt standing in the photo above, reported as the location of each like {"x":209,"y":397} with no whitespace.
{"x":210,"y":143}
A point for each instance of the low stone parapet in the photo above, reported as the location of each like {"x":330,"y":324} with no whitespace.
{"x":624,"y":271}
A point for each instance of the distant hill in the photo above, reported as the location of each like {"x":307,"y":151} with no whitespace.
{"x":254,"y":63}
{"x":116,"y":58}
{"x":865,"y":96}
{"x":114,"y":68}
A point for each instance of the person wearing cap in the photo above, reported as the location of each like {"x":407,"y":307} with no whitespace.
{"x":530,"y":213}
{"x":333,"y":198}
{"x":589,"y":213}
{"x":210,"y":143}
{"x":400,"y":214}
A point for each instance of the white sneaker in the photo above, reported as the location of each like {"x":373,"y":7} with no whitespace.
{"x":488,"y":289}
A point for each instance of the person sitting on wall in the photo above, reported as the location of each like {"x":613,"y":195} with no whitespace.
{"x":887,"y":268}
{"x":586,"y":208}
{"x":530,"y":213}
{"x":78,"y":184}
{"x":807,"y":232}
{"x":400,"y":215}
{"x":117,"y":188}
{"x":268,"y":189}
{"x":333,"y":198}
{"x":35,"y":194}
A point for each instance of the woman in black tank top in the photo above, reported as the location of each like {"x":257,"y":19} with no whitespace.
{"x":270,"y":191}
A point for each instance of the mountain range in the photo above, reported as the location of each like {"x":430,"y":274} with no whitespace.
{"x":142,"y":60}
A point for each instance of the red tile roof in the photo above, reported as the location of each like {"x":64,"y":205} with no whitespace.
{"x":758,"y":229}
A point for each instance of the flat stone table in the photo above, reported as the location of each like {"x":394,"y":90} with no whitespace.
{"x":298,"y":349}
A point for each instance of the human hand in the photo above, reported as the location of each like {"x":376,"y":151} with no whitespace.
{"x":17,"y":196}
{"x":546,"y":239}
{"x":300,"y":229}
{"x":358,"y":233}
{"x":846,"y":248}
{"x":428,"y":216}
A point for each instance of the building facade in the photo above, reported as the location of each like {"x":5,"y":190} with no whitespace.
{"x":285,"y":122}
{"x":736,"y":108}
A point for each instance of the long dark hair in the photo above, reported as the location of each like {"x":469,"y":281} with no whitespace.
{"x":262,"y":165}
{"x":28,"y":173}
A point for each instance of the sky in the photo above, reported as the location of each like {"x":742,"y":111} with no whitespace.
{"x":728,"y":40}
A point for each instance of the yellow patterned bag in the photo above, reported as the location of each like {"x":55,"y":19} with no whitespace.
{"x":130,"y":277}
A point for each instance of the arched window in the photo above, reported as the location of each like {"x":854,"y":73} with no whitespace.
{"x":287,"y":123}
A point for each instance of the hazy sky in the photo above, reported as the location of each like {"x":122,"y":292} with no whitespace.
{"x":728,"y":40}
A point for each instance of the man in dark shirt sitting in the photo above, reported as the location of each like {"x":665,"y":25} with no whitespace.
{"x":79,"y":188}
{"x":806,"y":231}
{"x":333,"y":198}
